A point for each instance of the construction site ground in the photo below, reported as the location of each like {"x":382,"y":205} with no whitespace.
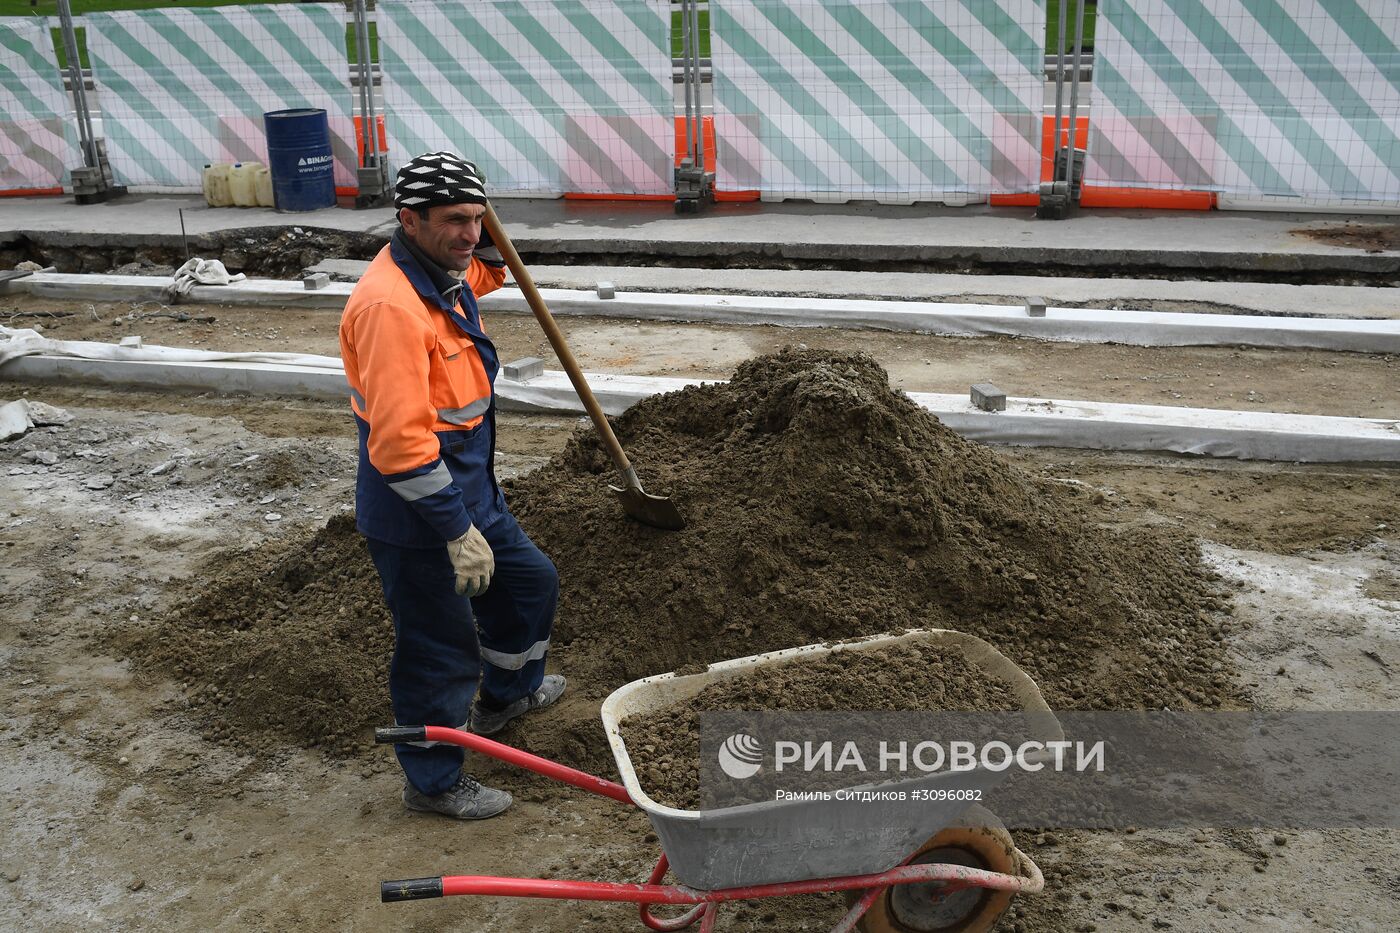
{"x":119,"y":815}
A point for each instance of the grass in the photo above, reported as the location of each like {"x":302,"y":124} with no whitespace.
{"x":677,"y":43}
{"x":79,"y":7}
{"x":1052,"y":25}
{"x":50,"y":7}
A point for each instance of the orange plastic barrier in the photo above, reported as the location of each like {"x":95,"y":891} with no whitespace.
{"x":1102,"y":195}
{"x":1092,"y":195}
{"x":360,"y":136}
{"x":346,"y":191}
{"x":29,"y":192}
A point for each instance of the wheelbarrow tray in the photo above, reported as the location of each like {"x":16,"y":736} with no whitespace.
{"x":798,"y":840}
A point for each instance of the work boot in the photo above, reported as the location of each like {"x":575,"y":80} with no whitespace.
{"x":466,"y":800}
{"x":489,"y":722}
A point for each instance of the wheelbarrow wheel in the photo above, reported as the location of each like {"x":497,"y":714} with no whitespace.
{"x":978,"y":840}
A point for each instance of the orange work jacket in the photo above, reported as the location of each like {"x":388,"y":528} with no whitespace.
{"x":421,"y":372}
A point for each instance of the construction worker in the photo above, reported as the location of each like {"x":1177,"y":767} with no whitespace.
{"x":472,"y":598}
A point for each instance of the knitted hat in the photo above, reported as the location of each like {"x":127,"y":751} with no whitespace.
{"x":439,"y":178}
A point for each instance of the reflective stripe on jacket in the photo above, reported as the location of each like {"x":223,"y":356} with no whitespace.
{"x":421,"y":373}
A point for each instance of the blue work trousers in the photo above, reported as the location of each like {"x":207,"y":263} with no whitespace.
{"x":447,"y":646}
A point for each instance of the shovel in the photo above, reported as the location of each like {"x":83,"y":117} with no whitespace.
{"x":657,"y":511}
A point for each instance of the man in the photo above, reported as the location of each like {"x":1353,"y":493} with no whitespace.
{"x":472,"y":598}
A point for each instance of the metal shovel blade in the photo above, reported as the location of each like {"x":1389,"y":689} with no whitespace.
{"x":656,"y":511}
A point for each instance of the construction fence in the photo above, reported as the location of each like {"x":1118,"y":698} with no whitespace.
{"x":1253,"y":102}
{"x":184,"y":88}
{"x":546,"y":96}
{"x":38,"y":141}
{"x":1289,"y":100}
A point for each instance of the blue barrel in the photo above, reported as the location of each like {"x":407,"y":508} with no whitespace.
{"x":299,"y":159}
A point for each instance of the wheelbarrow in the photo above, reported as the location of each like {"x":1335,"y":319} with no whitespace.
{"x":949,"y":868}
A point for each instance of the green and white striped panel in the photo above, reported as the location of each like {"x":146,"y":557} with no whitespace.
{"x":545,"y":96}
{"x":182,"y":88}
{"x":1252,"y":98}
{"x":38,"y":143}
{"x":892,"y":100}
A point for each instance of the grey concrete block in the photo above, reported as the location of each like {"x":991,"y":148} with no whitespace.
{"x":370,"y":179}
{"x":607,"y":290}
{"x":521,"y":370}
{"x":1035,"y":306}
{"x":988,"y":397}
{"x":133,"y":341}
{"x":316,"y":280}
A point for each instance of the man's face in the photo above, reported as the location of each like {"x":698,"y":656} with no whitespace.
{"x":448,"y":235}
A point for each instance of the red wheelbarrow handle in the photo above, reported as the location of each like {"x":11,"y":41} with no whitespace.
{"x":953,"y":876}
{"x":514,"y":756}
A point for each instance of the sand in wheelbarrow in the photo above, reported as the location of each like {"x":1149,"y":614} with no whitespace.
{"x":821,"y":504}
{"x":664,"y":745}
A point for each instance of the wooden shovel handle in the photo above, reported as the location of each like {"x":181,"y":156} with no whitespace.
{"x":551,"y":330}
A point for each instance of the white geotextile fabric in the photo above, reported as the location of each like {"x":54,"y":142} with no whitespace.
{"x":24,"y":342}
{"x":1052,"y":423}
{"x":1026,"y":422}
{"x":201,"y":272}
{"x":1075,"y":325}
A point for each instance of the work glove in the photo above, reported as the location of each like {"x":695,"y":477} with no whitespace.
{"x":472,"y":562}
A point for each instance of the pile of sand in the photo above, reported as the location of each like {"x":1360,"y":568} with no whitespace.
{"x":664,"y":744}
{"x":820,"y":505}
{"x":285,"y":643}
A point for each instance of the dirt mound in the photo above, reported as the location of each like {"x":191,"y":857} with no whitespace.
{"x":289,"y":642}
{"x":821,"y":505}
{"x":277,"y":470}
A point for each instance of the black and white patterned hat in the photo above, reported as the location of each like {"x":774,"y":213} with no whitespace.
{"x":439,"y":178}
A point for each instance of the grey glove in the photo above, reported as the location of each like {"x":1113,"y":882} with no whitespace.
{"x":487,"y":250}
{"x":472,"y":561}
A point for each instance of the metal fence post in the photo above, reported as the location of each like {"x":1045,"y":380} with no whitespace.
{"x":1059,"y":82}
{"x":1060,"y":195}
{"x":1073,"y":155}
{"x":372,"y":173}
{"x":694,"y":185}
{"x":93,"y":182}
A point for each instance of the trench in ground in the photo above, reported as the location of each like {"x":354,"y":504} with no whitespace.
{"x":285,"y":252}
